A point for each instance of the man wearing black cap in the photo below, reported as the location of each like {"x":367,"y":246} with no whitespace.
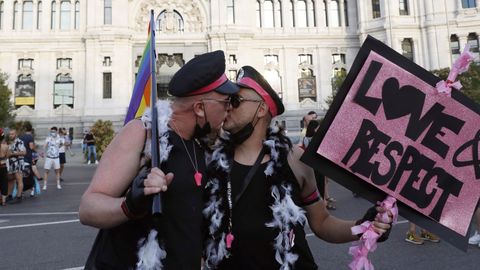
{"x":116,"y":202}
{"x":259,"y":191}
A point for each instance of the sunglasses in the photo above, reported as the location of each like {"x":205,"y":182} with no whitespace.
{"x":236,"y":100}
{"x":226,"y":102}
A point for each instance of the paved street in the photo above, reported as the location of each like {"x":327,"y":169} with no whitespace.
{"x":44,"y":233}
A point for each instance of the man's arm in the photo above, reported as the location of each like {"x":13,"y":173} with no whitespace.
{"x":100,"y":205}
{"x":324,"y":225}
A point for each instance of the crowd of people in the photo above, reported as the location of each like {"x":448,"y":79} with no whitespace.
{"x":19,"y":155}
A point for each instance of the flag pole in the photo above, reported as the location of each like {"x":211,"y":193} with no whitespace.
{"x":157,"y":199}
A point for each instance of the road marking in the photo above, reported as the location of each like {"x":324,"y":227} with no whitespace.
{"x":39,"y":214}
{"x":75,"y":268}
{"x":39,"y":224}
{"x":3,"y":220}
{"x":398,"y":222}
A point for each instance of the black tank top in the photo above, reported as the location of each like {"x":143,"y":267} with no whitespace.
{"x":253,"y":245}
{"x":180,"y":228}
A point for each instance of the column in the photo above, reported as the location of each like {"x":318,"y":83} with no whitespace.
{"x":295,"y":16}
{"x":276,"y":17}
{"x":262,"y":14}
{"x":319,"y":15}
{"x":342,"y":14}
{"x":309,"y":13}
{"x":329,"y":17}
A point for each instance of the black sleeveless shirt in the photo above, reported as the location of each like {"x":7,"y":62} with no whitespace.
{"x":180,"y":228}
{"x":253,"y":246}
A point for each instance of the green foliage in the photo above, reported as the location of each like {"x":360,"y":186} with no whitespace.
{"x":6,"y":107}
{"x":337,"y":82}
{"x":104,"y":133}
{"x":470,"y":80}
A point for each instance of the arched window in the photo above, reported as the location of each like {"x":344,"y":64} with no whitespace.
{"x":77,"y":15}
{"x":27,"y":18}
{"x":407,"y":48}
{"x":1,"y":14}
{"x":258,"y":11}
{"x":39,"y":15}
{"x":273,"y":77}
{"x":325,"y":11}
{"x":472,"y":39}
{"x":468,"y":4}
{"x":302,"y":16}
{"x":268,"y":15}
{"x":311,"y":13}
{"x":454,"y":44}
{"x":15,"y":15}
{"x":335,"y":13}
{"x":65,"y":15}
{"x":291,"y":12}
{"x":403,"y":7}
{"x":53,"y":18}
{"x":170,"y":21}
{"x":278,"y":13}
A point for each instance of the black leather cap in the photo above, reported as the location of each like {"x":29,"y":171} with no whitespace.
{"x":201,"y":75}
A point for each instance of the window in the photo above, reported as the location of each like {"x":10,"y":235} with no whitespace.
{"x":39,"y":15}
{"x":305,"y":59}
{"x":231,"y":11}
{"x":64,"y":77}
{"x":302,"y":16}
{"x":64,"y":63}
{"x":107,"y":12}
{"x":278,"y":13}
{"x":472,"y":40}
{"x":15,"y":15}
{"x":376,"y":9}
{"x":258,"y":11}
{"x":407,"y":48}
{"x":291,"y":12}
{"x":272,"y":76}
{"x":27,"y":18}
{"x":232,"y":75}
{"x":345,"y":10}
{"x":138,"y":61}
{"x":232,"y":59}
{"x":54,"y":15}
{"x":311,"y":13}
{"x":271,"y":59}
{"x":107,"y":61}
{"x":1,"y":14}
{"x":307,"y":85}
{"x":335,"y":13}
{"x":338,"y":58}
{"x":77,"y":15}
{"x":454,"y":44}
{"x":107,"y":85}
{"x":170,"y":21}
{"x":65,"y":15}
{"x":25,"y":63}
{"x":268,"y":15}
{"x":468,"y":4}
{"x":403,"y":7}
{"x":325,"y":11}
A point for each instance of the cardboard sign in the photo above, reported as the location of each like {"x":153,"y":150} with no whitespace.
{"x":390,"y":130}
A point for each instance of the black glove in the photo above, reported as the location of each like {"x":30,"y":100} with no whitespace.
{"x":136,"y":204}
{"x":370,"y":216}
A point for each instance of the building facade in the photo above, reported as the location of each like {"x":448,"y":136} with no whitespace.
{"x":71,"y":62}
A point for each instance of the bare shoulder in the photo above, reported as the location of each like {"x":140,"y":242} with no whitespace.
{"x":120,"y":161}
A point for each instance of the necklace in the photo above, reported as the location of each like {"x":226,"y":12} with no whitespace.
{"x":197,"y":176}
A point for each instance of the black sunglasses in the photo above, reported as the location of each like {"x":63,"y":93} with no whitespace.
{"x":236,"y":100}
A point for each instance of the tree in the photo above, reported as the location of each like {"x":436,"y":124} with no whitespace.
{"x":103,"y":132}
{"x":470,"y":80}
{"x":6,"y":107}
{"x":337,"y":82}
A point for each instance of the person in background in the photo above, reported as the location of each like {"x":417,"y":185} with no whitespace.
{"x":61,"y":151}
{"x":15,"y":162}
{"x":3,"y":168}
{"x":90,"y":141}
{"x":52,"y":148}
{"x":311,"y":115}
{"x":414,"y":238}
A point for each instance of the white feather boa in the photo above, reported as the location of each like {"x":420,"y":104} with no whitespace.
{"x":150,"y":253}
{"x":286,"y":214}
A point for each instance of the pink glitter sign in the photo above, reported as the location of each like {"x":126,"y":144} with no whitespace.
{"x":397,"y":133}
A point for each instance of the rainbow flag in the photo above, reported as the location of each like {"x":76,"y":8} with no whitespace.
{"x":141,"y":96}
